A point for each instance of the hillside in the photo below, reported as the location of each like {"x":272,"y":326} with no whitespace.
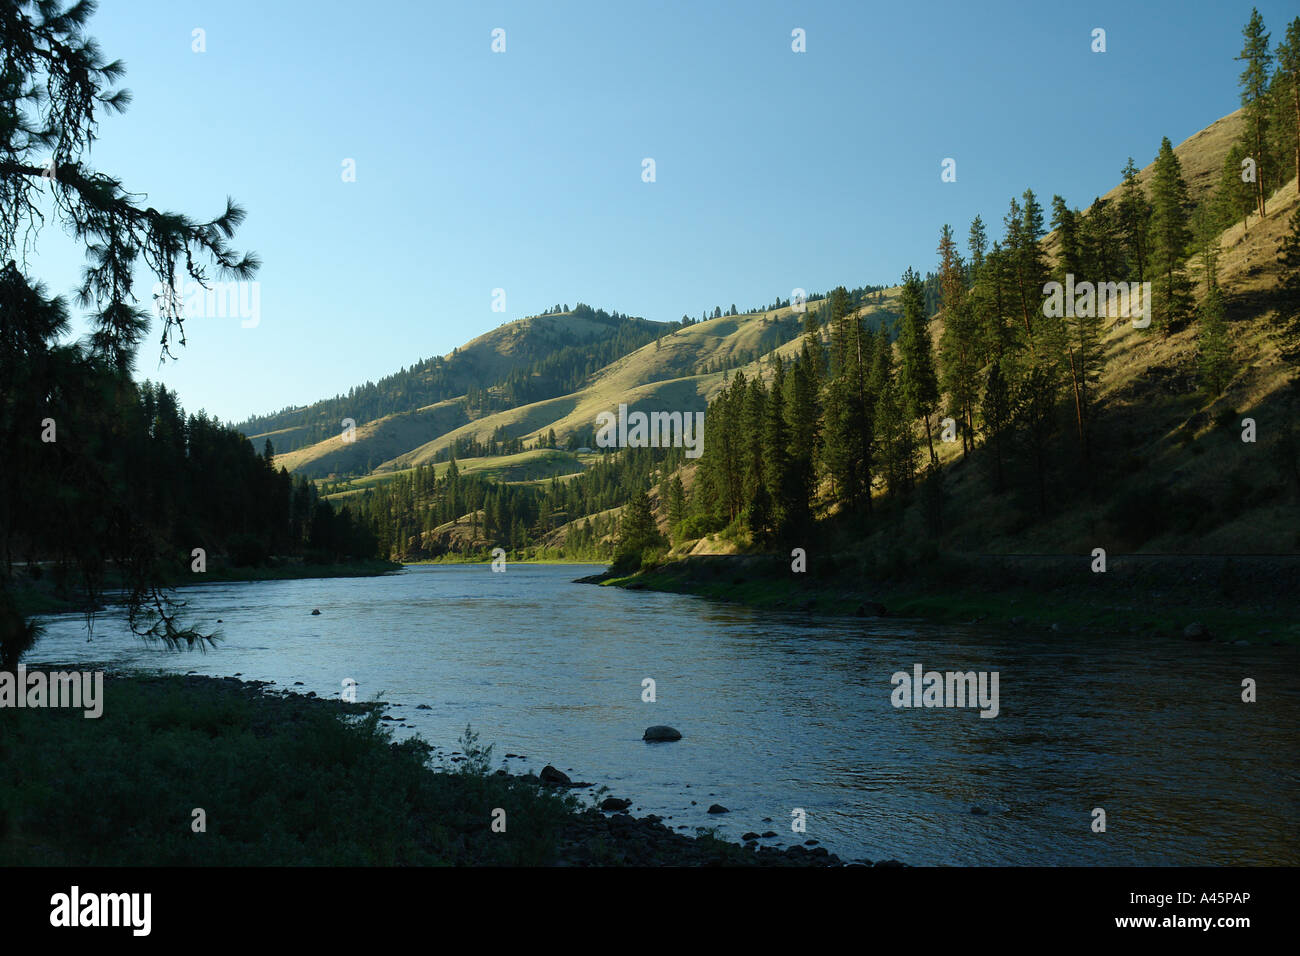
{"x":533,"y":465}
{"x":515,"y":363}
{"x":1192,"y":484}
{"x":664,"y":375}
{"x":1179,"y":478}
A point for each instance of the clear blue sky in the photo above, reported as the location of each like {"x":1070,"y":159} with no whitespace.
{"x":522,"y":170}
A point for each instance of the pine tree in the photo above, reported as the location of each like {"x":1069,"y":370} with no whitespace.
{"x":1034,"y":416}
{"x":778,"y":475}
{"x":1234,"y":197}
{"x":1134,"y":222}
{"x":842,"y":446}
{"x":841,"y":312}
{"x":977,"y":244}
{"x":1206,"y":227}
{"x":759,"y":516}
{"x":1284,"y":119}
{"x":1214,"y":350}
{"x":1081,"y":332}
{"x":958,"y":343}
{"x":637,"y":531}
{"x":842,"y":438}
{"x":1099,"y":241}
{"x":755,"y":417}
{"x":76,"y":502}
{"x":1026,"y":257}
{"x":995,"y":418}
{"x":917,"y":381}
{"x":1170,"y":239}
{"x":812,"y":344}
{"x":896,"y":449}
{"x":1254,"y":98}
{"x":676,"y":498}
{"x":803,"y":417}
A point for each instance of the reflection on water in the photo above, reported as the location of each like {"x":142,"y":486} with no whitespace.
{"x":781,"y":711}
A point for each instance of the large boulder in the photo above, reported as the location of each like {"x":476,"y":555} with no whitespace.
{"x":555,"y":777}
{"x":662,"y":732}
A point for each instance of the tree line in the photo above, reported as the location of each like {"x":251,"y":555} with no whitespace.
{"x":106,"y":483}
{"x":848,"y":424}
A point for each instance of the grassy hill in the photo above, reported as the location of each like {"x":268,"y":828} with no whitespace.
{"x":532,"y":465}
{"x":430,"y":398}
{"x":664,"y":375}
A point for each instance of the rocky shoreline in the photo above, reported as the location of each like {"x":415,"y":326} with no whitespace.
{"x":610,"y":835}
{"x":238,"y":731}
{"x":598,"y":838}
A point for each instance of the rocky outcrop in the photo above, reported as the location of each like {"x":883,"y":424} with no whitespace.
{"x":662,"y":732}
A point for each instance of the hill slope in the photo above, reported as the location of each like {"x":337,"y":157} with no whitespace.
{"x":517,"y":362}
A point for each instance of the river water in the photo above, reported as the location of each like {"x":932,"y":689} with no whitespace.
{"x":783,"y":711}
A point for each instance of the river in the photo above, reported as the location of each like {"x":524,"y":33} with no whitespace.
{"x":783,"y":711}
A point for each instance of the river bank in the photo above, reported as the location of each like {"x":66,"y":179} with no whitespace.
{"x":200,"y":771}
{"x":40,"y":593}
{"x":1236,"y":599}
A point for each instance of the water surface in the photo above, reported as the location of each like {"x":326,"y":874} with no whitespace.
{"x":783,"y":711}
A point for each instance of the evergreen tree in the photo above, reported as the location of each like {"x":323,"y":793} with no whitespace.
{"x":1134,"y":217}
{"x":676,"y":499}
{"x":1234,"y":197}
{"x":896,"y":449}
{"x":1285,"y":93}
{"x":1254,"y":98}
{"x":803,"y":417}
{"x":755,"y":419}
{"x":1025,"y":254}
{"x":995,"y":418}
{"x":917,"y":381}
{"x":759,"y":516}
{"x":812,"y":344}
{"x":959,"y":341}
{"x":1214,"y":350}
{"x":778,"y":475}
{"x":1099,"y":242}
{"x":637,"y":530}
{"x":1034,"y":416}
{"x":1080,"y":332}
{"x":1170,"y":239}
{"x":122,"y":492}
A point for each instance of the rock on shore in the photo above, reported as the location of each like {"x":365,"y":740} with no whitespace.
{"x":662,"y":732}
{"x":597,"y":839}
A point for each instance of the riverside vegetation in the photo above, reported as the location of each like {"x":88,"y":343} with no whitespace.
{"x":285,"y":779}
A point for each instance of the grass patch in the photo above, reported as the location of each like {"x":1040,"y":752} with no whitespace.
{"x":284,"y":781}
